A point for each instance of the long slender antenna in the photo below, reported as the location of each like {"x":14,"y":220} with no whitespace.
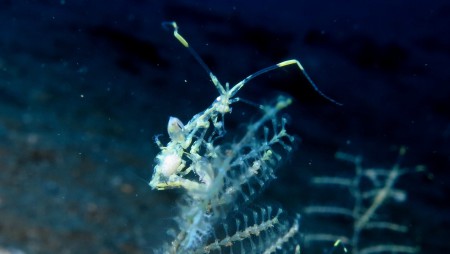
{"x":239,"y":85}
{"x":173,"y":25}
{"x":183,"y":41}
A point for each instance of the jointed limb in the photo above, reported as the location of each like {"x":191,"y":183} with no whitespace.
{"x":230,"y":93}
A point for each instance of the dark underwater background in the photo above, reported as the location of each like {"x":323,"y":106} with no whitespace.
{"x":86,"y":85}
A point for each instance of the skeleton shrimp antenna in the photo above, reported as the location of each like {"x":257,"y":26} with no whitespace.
{"x":173,"y":25}
{"x":283,"y":64}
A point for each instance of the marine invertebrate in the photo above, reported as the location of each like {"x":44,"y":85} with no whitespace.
{"x":219,"y":179}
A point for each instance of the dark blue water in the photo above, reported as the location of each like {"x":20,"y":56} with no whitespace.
{"x":86,"y":85}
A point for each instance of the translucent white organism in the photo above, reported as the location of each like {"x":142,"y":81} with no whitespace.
{"x":182,"y":154}
{"x":215,"y":175}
